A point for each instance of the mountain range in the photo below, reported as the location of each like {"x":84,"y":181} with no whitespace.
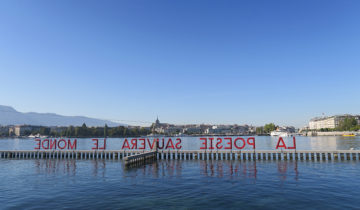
{"x":9,"y":116}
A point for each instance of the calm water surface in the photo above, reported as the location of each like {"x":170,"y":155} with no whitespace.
{"x":190,"y":184}
{"x":175,"y":184}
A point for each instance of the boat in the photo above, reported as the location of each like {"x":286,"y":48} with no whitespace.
{"x":280,"y":133}
{"x":37,"y":136}
{"x":348,"y":135}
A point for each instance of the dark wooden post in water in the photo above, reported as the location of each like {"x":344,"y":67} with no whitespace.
{"x":130,"y":156}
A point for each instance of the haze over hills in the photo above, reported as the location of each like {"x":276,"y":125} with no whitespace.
{"x":9,"y":116}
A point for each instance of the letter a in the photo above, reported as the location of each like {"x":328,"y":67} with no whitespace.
{"x":282,"y":143}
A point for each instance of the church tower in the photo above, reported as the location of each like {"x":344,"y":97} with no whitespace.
{"x":157,"y":122}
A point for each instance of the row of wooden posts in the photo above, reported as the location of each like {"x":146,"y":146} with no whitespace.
{"x":133,"y":156}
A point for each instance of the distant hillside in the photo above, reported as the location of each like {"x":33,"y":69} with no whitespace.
{"x":9,"y":116}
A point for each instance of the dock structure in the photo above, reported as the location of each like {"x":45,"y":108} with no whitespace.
{"x":136,"y":155}
{"x":140,"y":158}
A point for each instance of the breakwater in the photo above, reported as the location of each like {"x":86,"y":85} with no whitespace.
{"x":188,"y":155}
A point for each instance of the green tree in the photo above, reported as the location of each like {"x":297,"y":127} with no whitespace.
{"x":106,"y":130}
{"x":83,"y":130}
{"x":259,"y":130}
{"x":135,"y":132}
{"x":70,"y":131}
{"x":63,"y":132}
{"x":77,"y":131}
{"x":53,"y":134}
{"x":348,"y":124}
{"x":144,"y":132}
{"x":125,"y":132}
{"x":45,"y":131}
{"x":269,"y":127}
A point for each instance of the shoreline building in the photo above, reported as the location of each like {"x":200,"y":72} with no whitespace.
{"x":198,"y":129}
{"x":329,"y":122}
{"x":158,"y":127}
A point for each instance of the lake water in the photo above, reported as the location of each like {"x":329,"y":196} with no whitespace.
{"x":190,"y":184}
{"x":194,"y":143}
{"x":182,"y":184}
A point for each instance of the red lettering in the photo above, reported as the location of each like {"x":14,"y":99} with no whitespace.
{"x":294,"y":144}
{"x":168,"y":144}
{"x":52,"y":144}
{"x":211,"y":143}
{"x":219,"y":141}
{"x":126,"y":144}
{"x":282,"y":143}
{"x":204,"y":143}
{"x":251,"y":143}
{"x":38,"y":144}
{"x":228,"y":143}
{"x":163,"y":142}
{"x":60,"y":147}
{"x":96,"y":144}
{"x":236,"y":146}
{"x":47,"y":145}
{"x":104,"y":145}
{"x":73,"y":145}
{"x":153,"y":144}
{"x":177,"y":145}
{"x":142,"y":144}
{"x":134,"y":143}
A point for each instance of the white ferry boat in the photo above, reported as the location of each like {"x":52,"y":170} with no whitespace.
{"x":280,"y":133}
{"x":37,"y":136}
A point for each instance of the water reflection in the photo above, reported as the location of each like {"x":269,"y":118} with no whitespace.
{"x":246,"y":170}
{"x":188,"y":184}
{"x":172,"y":168}
{"x":334,"y":143}
{"x":55,"y":166}
{"x":99,"y":167}
{"x":284,"y":167}
{"x":228,"y":169}
{"x":68,"y":166}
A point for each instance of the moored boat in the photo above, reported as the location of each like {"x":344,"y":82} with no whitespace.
{"x":348,"y":135}
{"x":280,"y":133}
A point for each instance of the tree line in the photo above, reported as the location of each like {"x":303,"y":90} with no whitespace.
{"x":266,"y":129}
{"x":85,"y":132}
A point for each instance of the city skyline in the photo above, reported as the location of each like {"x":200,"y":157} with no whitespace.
{"x":111,"y":123}
{"x":212,"y":62}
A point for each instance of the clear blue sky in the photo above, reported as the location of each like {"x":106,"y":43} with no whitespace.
{"x":188,"y":61}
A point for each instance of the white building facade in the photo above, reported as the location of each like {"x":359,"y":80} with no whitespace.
{"x":329,"y":122}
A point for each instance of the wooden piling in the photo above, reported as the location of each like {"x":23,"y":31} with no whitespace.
{"x":333,"y":155}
